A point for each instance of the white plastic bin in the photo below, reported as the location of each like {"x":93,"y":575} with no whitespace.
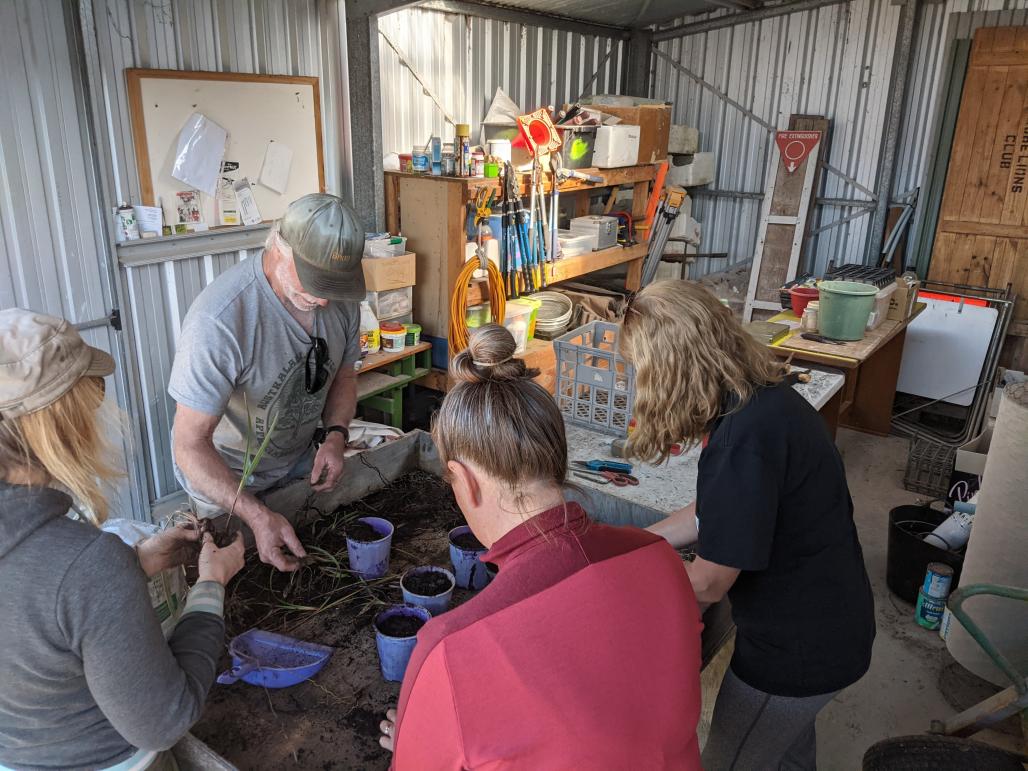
{"x":391,"y":303}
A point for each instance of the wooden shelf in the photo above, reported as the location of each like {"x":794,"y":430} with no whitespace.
{"x":569,"y":268}
{"x":382,"y":358}
{"x":628,"y":175}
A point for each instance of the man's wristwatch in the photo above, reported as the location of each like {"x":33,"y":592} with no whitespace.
{"x":321,"y":434}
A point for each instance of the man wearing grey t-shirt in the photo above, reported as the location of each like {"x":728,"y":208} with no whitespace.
{"x":270,"y":346}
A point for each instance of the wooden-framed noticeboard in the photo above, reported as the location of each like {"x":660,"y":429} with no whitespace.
{"x":254,"y":110}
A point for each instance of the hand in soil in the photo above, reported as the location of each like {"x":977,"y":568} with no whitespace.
{"x":328,"y":463}
{"x":168,"y":549}
{"x":388,"y":728}
{"x":275,"y":540}
{"x":220,"y":564}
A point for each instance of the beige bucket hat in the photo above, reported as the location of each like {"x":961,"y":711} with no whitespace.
{"x":41,"y":358}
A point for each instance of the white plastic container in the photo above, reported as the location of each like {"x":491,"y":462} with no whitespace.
{"x":369,"y":331}
{"x":385,"y":247}
{"x":616,"y":146}
{"x":394,"y":337}
{"x":500,"y":148}
{"x":573,"y":244}
{"x":391,"y":303}
{"x":881,"y":309}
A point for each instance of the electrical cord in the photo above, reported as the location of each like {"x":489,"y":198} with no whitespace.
{"x":459,"y":336}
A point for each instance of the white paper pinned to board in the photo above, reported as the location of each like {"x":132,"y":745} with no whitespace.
{"x":247,"y":205}
{"x":199,"y":153}
{"x":278,"y":158}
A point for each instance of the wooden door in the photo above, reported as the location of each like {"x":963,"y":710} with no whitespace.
{"x":982,"y":236}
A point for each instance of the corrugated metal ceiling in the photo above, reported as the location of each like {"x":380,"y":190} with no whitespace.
{"x":616,"y":13}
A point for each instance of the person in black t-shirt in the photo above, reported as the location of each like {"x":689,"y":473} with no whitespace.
{"x":772,"y":521}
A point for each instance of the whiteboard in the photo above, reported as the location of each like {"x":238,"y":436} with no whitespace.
{"x":945,"y":349}
{"x":254,"y":109}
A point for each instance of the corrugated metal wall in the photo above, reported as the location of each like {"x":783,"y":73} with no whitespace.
{"x":833,"y":61}
{"x":463,"y":60}
{"x":52,"y":255}
{"x":279,"y":37}
{"x":158,"y":296}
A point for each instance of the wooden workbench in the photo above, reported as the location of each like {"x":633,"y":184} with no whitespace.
{"x":871,"y":366}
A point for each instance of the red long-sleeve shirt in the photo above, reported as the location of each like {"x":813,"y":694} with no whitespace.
{"x":584,"y":652}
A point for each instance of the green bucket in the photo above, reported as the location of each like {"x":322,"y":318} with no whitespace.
{"x":845,"y":308}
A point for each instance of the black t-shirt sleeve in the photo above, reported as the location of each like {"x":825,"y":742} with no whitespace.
{"x":737,"y":506}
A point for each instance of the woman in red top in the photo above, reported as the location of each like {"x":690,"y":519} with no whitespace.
{"x":584,"y":651}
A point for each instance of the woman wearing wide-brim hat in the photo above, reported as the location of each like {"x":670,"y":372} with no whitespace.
{"x":88,"y":678}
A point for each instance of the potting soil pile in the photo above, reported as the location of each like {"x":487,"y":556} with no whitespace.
{"x":332,"y":720}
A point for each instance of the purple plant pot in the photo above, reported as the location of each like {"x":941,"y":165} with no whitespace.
{"x":468,"y":569}
{"x":371,"y":559}
{"x":434,"y":604}
{"x":394,"y":652}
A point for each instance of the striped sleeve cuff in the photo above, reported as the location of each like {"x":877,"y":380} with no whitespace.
{"x":206,"y":597}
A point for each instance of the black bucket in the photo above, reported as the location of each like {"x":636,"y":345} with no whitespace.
{"x":909,"y":555}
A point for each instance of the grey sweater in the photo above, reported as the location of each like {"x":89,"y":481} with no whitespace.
{"x":86,"y":676}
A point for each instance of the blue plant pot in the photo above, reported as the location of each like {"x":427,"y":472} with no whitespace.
{"x":394,"y":652}
{"x":434,"y":604}
{"x":468,"y":569}
{"x":371,"y":559}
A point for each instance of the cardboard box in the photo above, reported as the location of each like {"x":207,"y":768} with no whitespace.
{"x":654,"y":122}
{"x":901,"y":304}
{"x":384,"y":273}
{"x":971,"y":455}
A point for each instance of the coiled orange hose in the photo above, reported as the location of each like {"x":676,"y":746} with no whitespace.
{"x":459,"y":336}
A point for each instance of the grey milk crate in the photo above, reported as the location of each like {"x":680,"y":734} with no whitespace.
{"x":595,"y":386}
{"x":929,"y":466}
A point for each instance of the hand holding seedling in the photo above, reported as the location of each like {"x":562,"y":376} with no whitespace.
{"x":328,"y":463}
{"x":168,"y":549}
{"x":388,"y":729}
{"x":275,"y":540}
{"x":220,"y":564}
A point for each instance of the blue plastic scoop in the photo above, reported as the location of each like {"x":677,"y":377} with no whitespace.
{"x":273,"y":660}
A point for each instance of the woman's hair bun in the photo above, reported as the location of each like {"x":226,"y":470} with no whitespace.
{"x":489,"y":358}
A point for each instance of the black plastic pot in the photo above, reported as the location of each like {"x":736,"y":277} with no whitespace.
{"x":909,"y":555}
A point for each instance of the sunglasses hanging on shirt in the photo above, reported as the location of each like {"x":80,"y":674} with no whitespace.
{"x":316,"y":373}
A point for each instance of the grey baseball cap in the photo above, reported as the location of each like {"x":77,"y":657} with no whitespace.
{"x":327,"y":238}
{"x":41,"y":358}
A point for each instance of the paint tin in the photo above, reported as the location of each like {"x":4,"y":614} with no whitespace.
{"x":479,"y":164}
{"x":937,"y":580}
{"x":928,"y":612}
{"x":419,"y":160}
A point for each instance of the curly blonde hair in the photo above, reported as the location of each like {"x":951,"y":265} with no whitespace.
{"x":66,"y":441}
{"x":689,"y":353}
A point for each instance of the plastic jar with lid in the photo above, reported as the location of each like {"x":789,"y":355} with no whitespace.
{"x":393,"y":336}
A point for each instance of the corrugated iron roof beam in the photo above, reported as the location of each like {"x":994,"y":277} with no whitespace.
{"x":517,"y":16}
{"x":714,"y":90}
{"x":765,"y":12}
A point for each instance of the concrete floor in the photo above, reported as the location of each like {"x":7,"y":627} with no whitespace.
{"x":900,"y":694}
